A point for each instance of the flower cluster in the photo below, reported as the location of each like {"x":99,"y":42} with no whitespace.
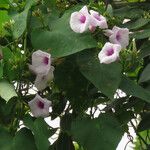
{"x":118,"y":37}
{"x":83,"y":20}
{"x":42,"y":68}
{"x":79,"y":22}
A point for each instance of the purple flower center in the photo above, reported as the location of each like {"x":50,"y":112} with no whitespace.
{"x":40,"y":104}
{"x":110,"y":52}
{"x":82,"y":19}
{"x":46,"y":60}
{"x":118,"y":37}
{"x":97,"y":17}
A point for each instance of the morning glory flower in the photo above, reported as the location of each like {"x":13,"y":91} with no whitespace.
{"x":41,"y":62}
{"x":109,"y":53}
{"x":41,"y":66}
{"x":39,"y":106}
{"x":42,"y":80}
{"x":79,"y":21}
{"x":97,"y":20}
{"x":118,"y":36}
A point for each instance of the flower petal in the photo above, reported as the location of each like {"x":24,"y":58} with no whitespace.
{"x":119,"y":36}
{"x":41,"y":62}
{"x":42,"y":80}
{"x":39,"y":106}
{"x":84,"y":11}
{"x":98,"y":20}
{"x":79,"y":21}
{"x":106,"y":57}
{"x":39,"y":57}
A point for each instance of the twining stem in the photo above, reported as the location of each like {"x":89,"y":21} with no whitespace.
{"x":138,"y":134}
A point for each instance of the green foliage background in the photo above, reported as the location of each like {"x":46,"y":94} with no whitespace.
{"x":79,"y":77}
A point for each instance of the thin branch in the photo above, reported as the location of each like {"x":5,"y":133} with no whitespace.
{"x":138,"y":134}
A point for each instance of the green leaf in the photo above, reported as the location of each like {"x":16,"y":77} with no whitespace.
{"x":62,"y":41}
{"x":51,"y":3}
{"x":145,"y":76}
{"x":131,"y":88}
{"x":5,"y":140}
{"x":21,"y":20}
{"x":24,"y":140}
{"x":141,"y":34}
{"x":128,"y":12}
{"x":8,"y":60}
{"x":64,"y":142}
{"x":103,"y":133}
{"x":140,"y":144}
{"x":40,"y":130}
{"x":7,"y":54}
{"x":62,"y":24}
{"x":144,"y":123}
{"x":109,"y":9}
{"x":20,"y":24}
{"x":29,"y":122}
{"x":61,"y":44}
{"x":7,"y":110}
{"x":136,"y":24}
{"x":3,"y":18}
{"x":42,"y":134}
{"x":7,"y":90}
{"x":75,"y":87}
{"x":105,"y":77}
{"x":4,"y":4}
{"x":59,"y":104}
{"x":77,"y":147}
{"x":145,"y":49}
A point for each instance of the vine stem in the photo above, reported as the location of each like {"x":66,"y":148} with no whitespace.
{"x":138,"y":134}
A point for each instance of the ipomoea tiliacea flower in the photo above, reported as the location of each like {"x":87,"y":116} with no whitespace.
{"x":97,"y":20}
{"x":79,"y":21}
{"x":118,"y":36}
{"x":39,"y":106}
{"x":41,"y":62}
{"x":109,"y":53}
{"x":41,"y":66}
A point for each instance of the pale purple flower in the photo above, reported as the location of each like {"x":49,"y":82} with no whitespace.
{"x":41,"y":62}
{"x":109,"y":53}
{"x":79,"y":21}
{"x":42,"y":80}
{"x":39,"y":106}
{"x":118,"y":36}
{"x":97,"y":20}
